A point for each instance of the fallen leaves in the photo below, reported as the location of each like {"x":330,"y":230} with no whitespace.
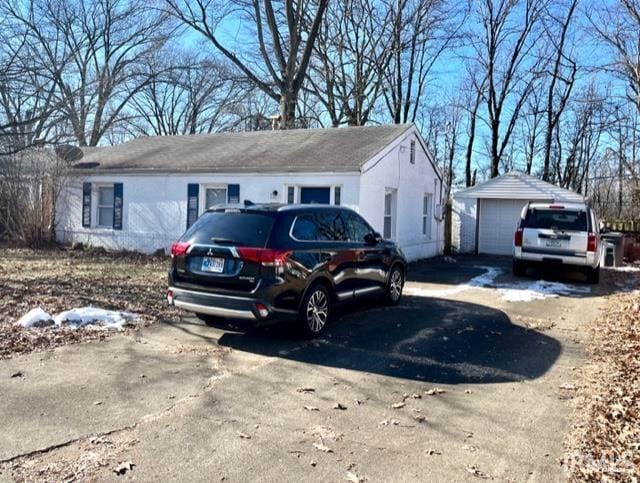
{"x":398,"y":405}
{"x":604,"y":444}
{"x":305,"y":390}
{"x":354,"y":477}
{"x":123,"y":468}
{"x":473,"y":469}
{"x":322,"y":447}
{"x":434,"y":391}
{"x":58,"y":279}
{"x":340,"y":406}
{"x":312,"y":408}
{"x":389,"y":422}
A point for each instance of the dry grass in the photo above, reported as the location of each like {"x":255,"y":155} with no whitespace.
{"x":58,"y":280}
{"x":604,"y":444}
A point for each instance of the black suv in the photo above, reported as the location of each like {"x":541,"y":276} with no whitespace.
{"x":273,"y":262}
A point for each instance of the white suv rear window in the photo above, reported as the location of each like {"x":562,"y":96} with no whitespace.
{"x":554,"y":219}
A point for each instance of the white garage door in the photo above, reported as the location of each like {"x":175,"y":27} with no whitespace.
{"x":497,"y":224}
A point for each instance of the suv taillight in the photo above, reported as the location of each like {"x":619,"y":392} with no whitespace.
{"x":179,"y":248}
{"x":264,"y":256}
{"x":592,"y":242}
{"x":517,"y":239}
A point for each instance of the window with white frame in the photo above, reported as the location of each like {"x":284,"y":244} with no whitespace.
{"x":105,"y":206}
{"x":215,"y":196}
{"x":427,"y":211}
{"x":389,"y":214}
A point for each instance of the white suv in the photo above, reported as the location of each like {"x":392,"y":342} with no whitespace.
{"x":558,"y":233}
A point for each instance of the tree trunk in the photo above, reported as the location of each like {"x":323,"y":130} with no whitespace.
{"x":288,"y":103}
{"x":495,"y":158}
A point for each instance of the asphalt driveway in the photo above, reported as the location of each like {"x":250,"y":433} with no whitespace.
{"x":469,"y":377}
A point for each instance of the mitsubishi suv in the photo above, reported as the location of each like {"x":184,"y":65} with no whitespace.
{"x":272,"y":262}
{"x":566,"y":234}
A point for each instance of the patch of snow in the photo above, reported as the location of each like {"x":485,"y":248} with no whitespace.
{"x":511,"y":292}
{"x":625,"y":268}
{"x":480,"y":281}
{"x":75,"y":318}
{"x":450,"y":260}
{"x":538,"y":290}
{"x":35,"y":318}
{"x":84,"y":316}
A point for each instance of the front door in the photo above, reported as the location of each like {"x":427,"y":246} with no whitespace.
{"x":318,"y":196}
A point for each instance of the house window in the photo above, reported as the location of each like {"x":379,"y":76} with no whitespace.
{"x":427,"y":207}
{"x":412,"y":152}
{"x":291,"y":195}
{"x":105,"y":206}
{"x":337,"y":194}
{"x":389,"y":214}
{"x":215,"y":196}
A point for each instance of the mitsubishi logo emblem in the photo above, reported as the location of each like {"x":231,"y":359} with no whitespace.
{"x":210,"y":252}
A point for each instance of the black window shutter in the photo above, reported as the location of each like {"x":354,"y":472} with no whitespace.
{"x":337,"y":194}
{"x":233,"y":193}
{"x":86,"y":205}
{"x":117,"y":206}
{"x":192,"y":203}
{"x":290,"y":194}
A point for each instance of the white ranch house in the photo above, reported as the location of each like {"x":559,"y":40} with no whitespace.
{"x":485,"y":216}
{"x":143,"y":194}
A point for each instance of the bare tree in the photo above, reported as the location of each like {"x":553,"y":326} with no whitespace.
{"x":187,"y":94}
{"x":562,"y":76}
{"x":617,"y":24}
{"x":284,"y":38}
{"x":504,"y":53}
{"x":421,"y":31}
{"x":91,"y":53}
{"x":351,"y":53}
{"x":474,"y":96}
{"x":532,"y":126}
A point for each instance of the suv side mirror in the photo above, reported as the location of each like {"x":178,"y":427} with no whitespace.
{"x":372,"y":238}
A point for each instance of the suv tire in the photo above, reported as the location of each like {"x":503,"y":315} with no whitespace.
{"x":315,"y":311}
{"x":394,"y":286}
{"x":593,"y":275}
{"x":519,"y":268}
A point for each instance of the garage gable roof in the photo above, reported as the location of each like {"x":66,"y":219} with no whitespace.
{"x":519,"y":186}
{"x":344,"y":149}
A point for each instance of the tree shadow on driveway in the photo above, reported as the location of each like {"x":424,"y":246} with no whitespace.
{"x":423,"y":339}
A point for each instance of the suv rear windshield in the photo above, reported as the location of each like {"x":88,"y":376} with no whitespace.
{"x":238,"y":229}
{"x":561,"y":220}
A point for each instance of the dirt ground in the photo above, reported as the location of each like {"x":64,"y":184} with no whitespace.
{"x":457,"y":383}
{"x":59,"y":280}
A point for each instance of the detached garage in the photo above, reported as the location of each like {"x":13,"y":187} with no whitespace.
{"x":485,"y":216}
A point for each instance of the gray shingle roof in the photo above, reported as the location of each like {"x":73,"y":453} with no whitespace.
{"x":297,"y":150}
{"x":519,"y":186}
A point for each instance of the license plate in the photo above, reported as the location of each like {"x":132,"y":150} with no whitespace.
{"x":554,"y":243}
{"x":212,"y":265}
